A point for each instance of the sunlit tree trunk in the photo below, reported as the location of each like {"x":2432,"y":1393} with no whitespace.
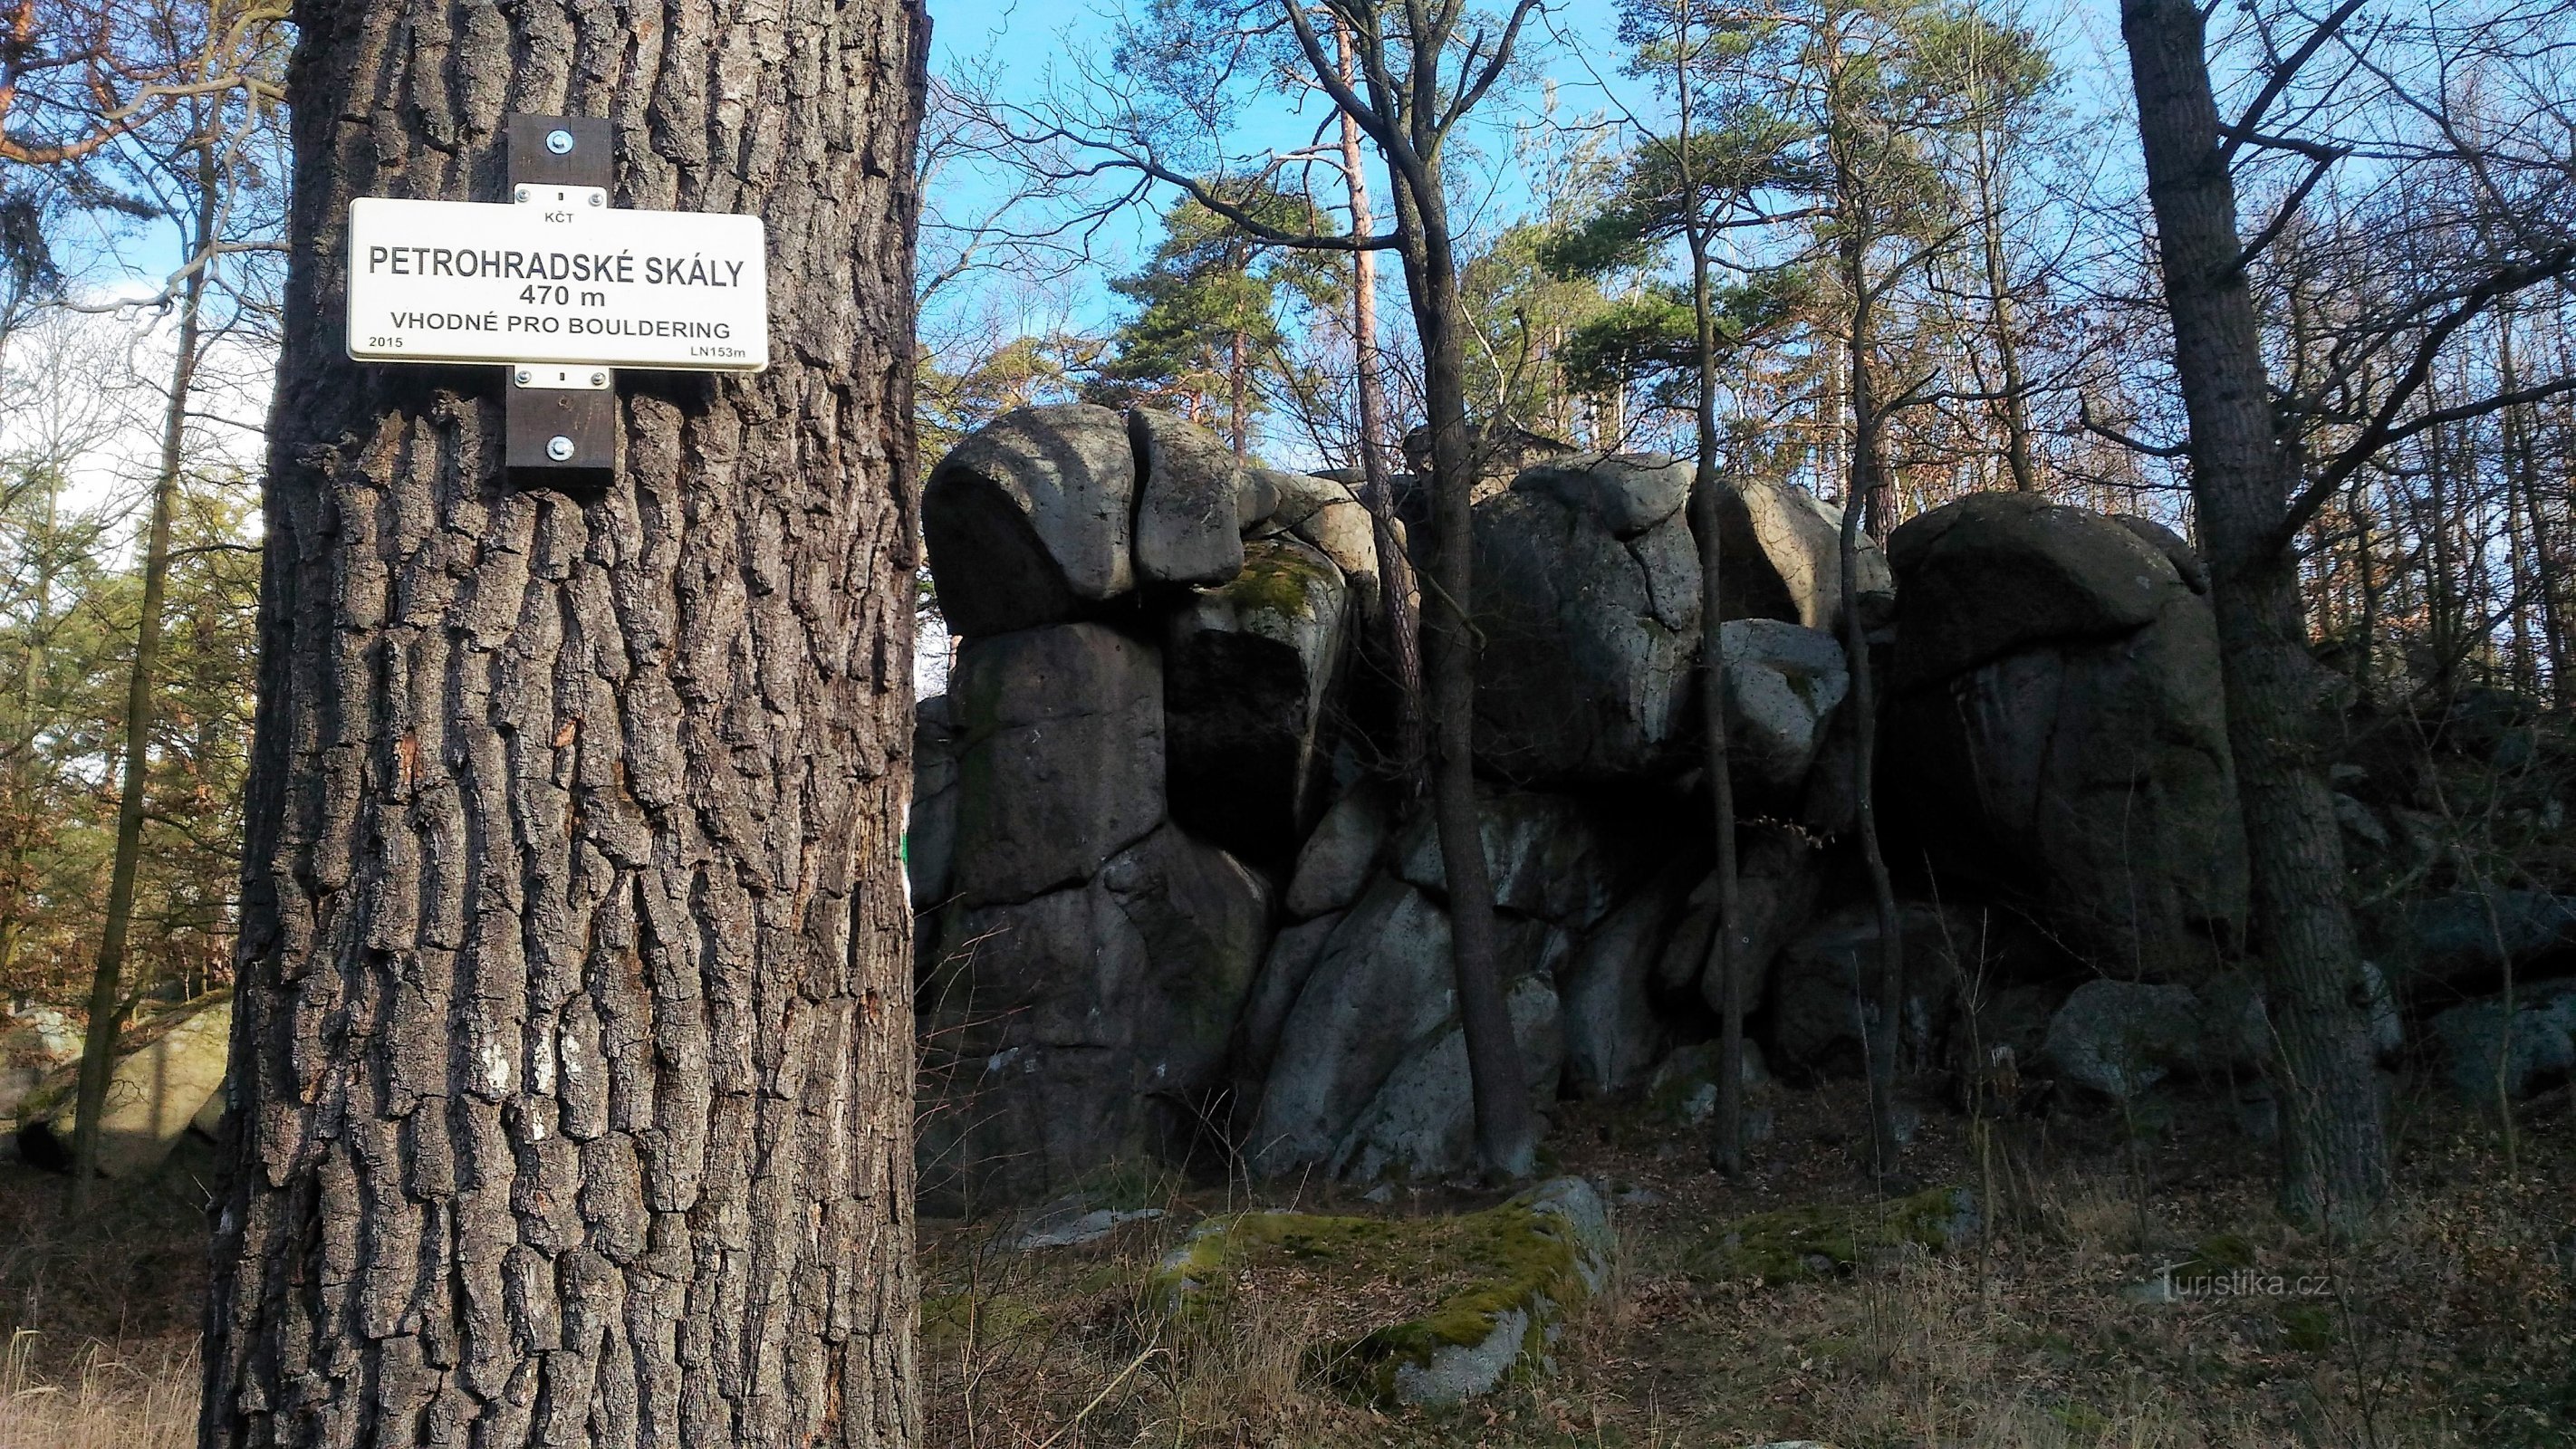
{"x":2335,"y":1152}
{"x":572,"y":1052}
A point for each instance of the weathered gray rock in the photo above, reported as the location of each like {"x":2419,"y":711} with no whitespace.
{"x":1028,"y":519}
{"x":1626,"y":493}
{"x":2486,"y":1049}
{"x":2075,"y":759}
{"x":1781,"y":558}
{"x":2122,"y":1037}
{"x":2000,"y":572}
{"x":1422,"y":1121}
{"x":1588,"y":642}
{"x":1614,"y":1031}
{"x":930,"y":832}
{"x":1559,"y":857}
{"x":1328,"y":517}
{"x":2463,"y":939}
{"x":1284,"y":970}
{"x":1247,"y":673}
{"x":1783,"y":683}
{"x":1683,"y":1089}
{"x":1075,"y":1029}
{"x":1379,"y":996}
{"x":1777,"y":881}
{"x":1337,"y":858}
{"x":1824,"y":989}
{"x":1062,"y":760}
{"x":1189,"y":491}
{"x":172,"y":1069}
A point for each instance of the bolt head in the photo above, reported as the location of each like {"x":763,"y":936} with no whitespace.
{"x":596,"y":198}
{"x":520,"y":194}
{"x":599,"y":379}
{"x":559,"y":448}
{"x":523,"y":377}
{"x":559,"y":141}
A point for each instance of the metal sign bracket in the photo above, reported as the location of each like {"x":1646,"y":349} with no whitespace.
{"x":560,"y":427}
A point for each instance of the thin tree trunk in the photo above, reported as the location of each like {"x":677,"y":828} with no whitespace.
{"x":1725,"y":947}
{"x":1396,"y":612}
{"x":2335,"y":1154}
{"x":1725,"y":956}
{"x":2007,"y":333}
{"x":1238,"y":382}
{"x":1506,"y":1140}
{"x":107,"y":976}
{"x":22,"y":783}
{"x":1865,"y":483}
{"x":2522,"y":458}
{"x":572,"y":1053}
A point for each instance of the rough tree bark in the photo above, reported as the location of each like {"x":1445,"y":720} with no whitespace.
{"x":2335,"y":1154}
{"x":572,"y":1056}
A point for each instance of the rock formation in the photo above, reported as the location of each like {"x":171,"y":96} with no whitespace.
{"x":1169,"y":910}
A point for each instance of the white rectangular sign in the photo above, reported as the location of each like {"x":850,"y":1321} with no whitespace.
{"x":560,"y":278}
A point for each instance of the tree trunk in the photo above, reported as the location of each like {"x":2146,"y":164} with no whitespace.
{"x":1867,"y":482}
{"x":1506,"y":1142}
{"x":107,"y":977}
{"x":1724,"y":956}
{"x":572,"y":1053}
{"x":1396,"y":613}
{"x":23,"y":778}
{"x":2335,"y":1156}
{"x":1999,"y":302}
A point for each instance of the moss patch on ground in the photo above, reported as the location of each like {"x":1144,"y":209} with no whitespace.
{"x":1801,"y":1244}
{"x":1476,"y":1270}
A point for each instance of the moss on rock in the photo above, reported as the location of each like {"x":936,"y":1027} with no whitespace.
{"x":1800,"y":1243}
{"x":1519,"y":1266}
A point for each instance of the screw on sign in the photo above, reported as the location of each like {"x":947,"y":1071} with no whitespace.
{"x":558,"y":287}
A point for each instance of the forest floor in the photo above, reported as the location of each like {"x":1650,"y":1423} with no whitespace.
{"x":2454,"y":1323}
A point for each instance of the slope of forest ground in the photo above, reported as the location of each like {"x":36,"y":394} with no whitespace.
{"x":2453,"y":1324}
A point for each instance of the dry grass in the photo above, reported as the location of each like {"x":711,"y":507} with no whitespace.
{"x":112,"y":1397}
{"x":2452,"y":1325}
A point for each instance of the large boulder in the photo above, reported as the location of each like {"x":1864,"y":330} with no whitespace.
{"x":1421,"y":1123}
{"x":1187,"y":489}
{"x":1559,"y":857}
{"x":1061,"y":757}
{"x":1248,"y":671}
{"x":930,"y":831}
{"x":1336,"y":860}
{"x":2463,"y":939}
{"x":1614,"y":1026}
{"x":2058,"y":733}
{"x":1086,"y":1027}
{"x":1994,"y":573}
{"x":1780,"y":557}
{"x":1783,"y":682}
{"x":1380,"y":996}
{"x":2487,"y":1049}
{"x":1626,"y":493}
{"x":2120,"y":1038}
{"x":1777,"y":880}
{"x":1824,"y":990}
{"x":168,"y":1078}
{"x":1325,"y":515}
{"x":1588,"y":642}
{"x":1028,"y":519}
